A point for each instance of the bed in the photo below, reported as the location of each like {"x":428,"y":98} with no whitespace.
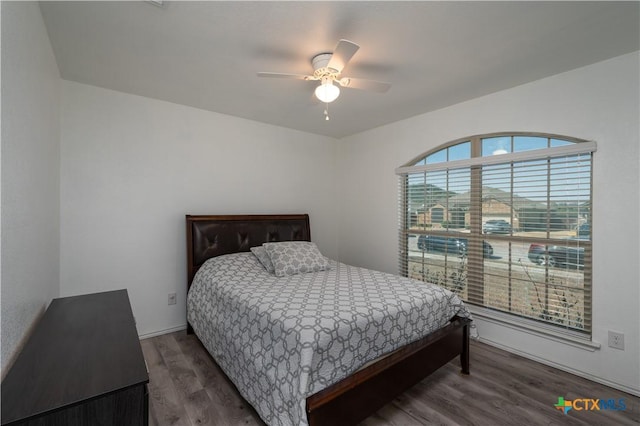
{"x":218,"y":246}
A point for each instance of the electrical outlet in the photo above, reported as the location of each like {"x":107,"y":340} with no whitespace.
{"x":616,"y":340}
{"x":172,"y":299}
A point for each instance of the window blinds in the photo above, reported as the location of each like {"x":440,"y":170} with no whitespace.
{"x":510,"y":232}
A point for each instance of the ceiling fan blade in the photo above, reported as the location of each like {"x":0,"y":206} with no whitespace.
{"x":284,"y":75}
{"x":343,"y":52}
{"x":359,"y":83}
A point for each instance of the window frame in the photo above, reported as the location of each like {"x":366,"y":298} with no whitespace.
{"x":475,"y":163}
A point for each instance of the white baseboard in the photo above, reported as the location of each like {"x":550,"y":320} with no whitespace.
{"x":582,"y":374}
{"x":161,"y":332}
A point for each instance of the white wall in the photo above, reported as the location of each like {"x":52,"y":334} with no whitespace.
{"x":132,"y":167}
{"x":30,"y":173}
{"x":598,"y":102}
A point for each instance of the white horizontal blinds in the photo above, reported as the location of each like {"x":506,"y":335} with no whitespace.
{"x":545,"y":201}
{"x":435,"y":226}
{"x":531,"y":264}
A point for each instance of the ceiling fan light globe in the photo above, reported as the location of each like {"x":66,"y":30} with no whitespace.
{"x":327,"y":92}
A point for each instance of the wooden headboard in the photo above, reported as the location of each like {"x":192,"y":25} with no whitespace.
{"x":211,"y":236}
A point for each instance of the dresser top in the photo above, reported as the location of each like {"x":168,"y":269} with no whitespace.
{"x":82,"y":348}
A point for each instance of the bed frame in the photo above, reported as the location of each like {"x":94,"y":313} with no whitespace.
{"x":356,"y":397}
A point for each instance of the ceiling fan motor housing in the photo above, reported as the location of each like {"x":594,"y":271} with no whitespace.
{"x":320,"y":63}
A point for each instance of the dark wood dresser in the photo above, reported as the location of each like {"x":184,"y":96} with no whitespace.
{"x":83,"y":365}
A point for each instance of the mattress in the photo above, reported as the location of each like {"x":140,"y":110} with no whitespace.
{"x":280,"y":340}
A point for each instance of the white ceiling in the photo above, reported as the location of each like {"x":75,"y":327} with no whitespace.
{"x":435,"y":54}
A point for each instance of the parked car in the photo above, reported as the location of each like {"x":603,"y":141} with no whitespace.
{"x":584,"y":230}
{"x":450,"y":245}
{"x":496,"y":226}
{"x":556,"y":255}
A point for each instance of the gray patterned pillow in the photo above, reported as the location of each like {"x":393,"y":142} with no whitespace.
{"x":261,"y":253}
{"x":295,"y":257}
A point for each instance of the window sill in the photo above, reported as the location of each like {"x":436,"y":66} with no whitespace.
{"x":567,"y":337}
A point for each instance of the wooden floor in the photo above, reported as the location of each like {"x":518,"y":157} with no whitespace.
{"x":187,"y":388}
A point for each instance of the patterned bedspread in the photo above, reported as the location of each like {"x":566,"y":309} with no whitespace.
{"x":281,"y":340}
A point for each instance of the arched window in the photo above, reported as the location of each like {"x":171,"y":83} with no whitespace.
{"x":504,"y":220}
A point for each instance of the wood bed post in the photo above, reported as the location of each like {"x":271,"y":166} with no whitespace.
{"x":464,"y":355}
{"x":190,"y":266}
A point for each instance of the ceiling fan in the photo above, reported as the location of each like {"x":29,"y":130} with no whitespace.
{"x":327,"y":68}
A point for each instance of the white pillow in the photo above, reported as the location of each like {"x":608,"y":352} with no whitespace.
{"x":295,"y":257}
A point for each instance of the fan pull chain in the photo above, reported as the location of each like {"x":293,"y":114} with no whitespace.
{"x":326,"y":112}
